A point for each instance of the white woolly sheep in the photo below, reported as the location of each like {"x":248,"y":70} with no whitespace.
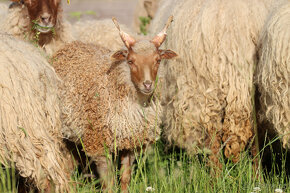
{"x":30,"y":116}
{"x":102,"y":32}
{"x":164,"y":10}
{"x":144,"y":8}
{"x":37,"y":21}
{"x":208,"y":88}
{"x":273,"y":73}
{"x":112,"y":103}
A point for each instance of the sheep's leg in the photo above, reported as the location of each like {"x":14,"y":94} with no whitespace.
{"x":127,"y":159}
{"x":236,"y":136}
{"x":215,"y":145}
{"x":237,"y":126}
{"x":254,"y":151}
{"x":105,"y":170}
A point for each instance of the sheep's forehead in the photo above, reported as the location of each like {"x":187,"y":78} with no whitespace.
{"x":144,"y":47}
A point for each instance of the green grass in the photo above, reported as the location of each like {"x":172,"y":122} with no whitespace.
{"x":7,"y":179}
{"x":176,"y":171}
{"x":144,"y":21}
{"x":78,"y":14}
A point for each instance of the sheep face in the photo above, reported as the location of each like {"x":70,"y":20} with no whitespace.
{"x":143,"y":58}
{"x":43,"y":13}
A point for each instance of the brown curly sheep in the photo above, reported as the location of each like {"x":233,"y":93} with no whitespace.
{"x":113,"y":105}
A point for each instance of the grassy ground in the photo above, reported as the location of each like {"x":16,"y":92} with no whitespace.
{"x":175,"y":171}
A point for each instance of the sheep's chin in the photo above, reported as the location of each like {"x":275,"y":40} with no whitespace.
{"x":146,"y":92}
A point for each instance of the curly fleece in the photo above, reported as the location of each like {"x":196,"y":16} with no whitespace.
{"x":208,"y":88}
{"x":102,"y":102}
{"x":273,"y":72}
{"x":30,"y":116}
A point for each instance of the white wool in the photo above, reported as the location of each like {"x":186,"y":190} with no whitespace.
{"x":30,"y":116}
{"x":3,"y":10}
{"x":165,"y":9}
{"x":144,"y":8}
{"x":101,"y":32}
{"x":208,"y":88}
{"x":273,"y":73}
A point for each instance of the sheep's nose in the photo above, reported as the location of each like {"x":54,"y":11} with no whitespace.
{"x":147,"y":84}
{"x":45,"y":18}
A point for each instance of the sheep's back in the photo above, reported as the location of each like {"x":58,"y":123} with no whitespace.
{"x":80,"y":67}
{"x":101,"y":32}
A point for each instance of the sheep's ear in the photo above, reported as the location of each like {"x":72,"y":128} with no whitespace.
{"x":120,"y":55}
{"x":167,"y":54}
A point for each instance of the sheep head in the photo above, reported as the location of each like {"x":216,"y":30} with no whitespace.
{"x":143,"y":57}
{"x":43,"y":13}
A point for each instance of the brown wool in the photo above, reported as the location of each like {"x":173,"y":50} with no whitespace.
{"x":101,"y":102}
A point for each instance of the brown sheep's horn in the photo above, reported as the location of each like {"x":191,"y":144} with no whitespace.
{"x":159,"y":38}
{"x":126,"y":38}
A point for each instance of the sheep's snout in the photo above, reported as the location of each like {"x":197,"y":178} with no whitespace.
{"x":45,"y":18}
{"x":148,"y":85}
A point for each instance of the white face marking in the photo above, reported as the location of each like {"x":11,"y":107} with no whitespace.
{"x":147,"y":74}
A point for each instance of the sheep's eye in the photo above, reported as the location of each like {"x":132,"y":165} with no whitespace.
{"x":158,"y":61}
{"x":130,"y":62}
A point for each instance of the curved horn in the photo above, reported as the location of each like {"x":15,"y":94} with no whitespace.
{"x":126,"y":38}
{"x":159,"y":38}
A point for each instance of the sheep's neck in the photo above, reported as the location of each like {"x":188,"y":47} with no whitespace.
{"x":45,"y":38}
